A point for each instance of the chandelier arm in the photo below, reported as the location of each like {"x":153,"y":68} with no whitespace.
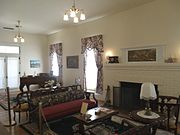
{"x":74,"y":4}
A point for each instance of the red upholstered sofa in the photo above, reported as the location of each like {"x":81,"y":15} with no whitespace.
{"x":62,"y":102}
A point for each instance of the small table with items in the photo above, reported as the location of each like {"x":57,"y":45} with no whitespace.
{"x":155,"y":119}
{"x":93,"y":116}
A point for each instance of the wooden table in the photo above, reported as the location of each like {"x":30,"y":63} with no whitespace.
{"x":98,"y":114}
{"x":155,"y":122}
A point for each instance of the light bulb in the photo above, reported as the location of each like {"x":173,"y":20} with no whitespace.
{"x":22,"y":40}
{"x":15,"y":39}
{"x":76,"y":20}
{"x":72,"y":13}
{"x":66,"y":18}
{"x":82,"y":16}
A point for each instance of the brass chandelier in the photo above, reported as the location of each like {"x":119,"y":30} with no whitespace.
{"x":18,"y":37}
{"x":74,"y":13}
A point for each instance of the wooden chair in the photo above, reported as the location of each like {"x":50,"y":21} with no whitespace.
{"x":169,"y":106}
{"x":23,"y":101}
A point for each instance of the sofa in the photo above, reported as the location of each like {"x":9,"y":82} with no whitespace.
{"x":61,"y":102}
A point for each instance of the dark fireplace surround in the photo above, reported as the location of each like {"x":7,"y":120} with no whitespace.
{"x":127,"y":96}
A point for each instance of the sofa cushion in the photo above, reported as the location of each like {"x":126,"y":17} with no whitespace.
{"x":67,"y":108}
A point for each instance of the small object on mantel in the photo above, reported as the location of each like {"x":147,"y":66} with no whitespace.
{"x":113,"y":59}
{"x":171,"y":60}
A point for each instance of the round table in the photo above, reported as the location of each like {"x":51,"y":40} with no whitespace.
{"x":154,"y":122}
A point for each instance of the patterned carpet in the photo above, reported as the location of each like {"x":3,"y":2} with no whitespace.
{"x":70,"y":126}
{"x":4,"y":100}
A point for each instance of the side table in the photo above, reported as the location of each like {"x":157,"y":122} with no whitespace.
{"x":154,"y":122}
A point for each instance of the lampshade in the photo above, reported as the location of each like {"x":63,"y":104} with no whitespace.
{"x":148,"y":91}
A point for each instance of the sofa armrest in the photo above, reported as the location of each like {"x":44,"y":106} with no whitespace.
{"x":88,"y":94}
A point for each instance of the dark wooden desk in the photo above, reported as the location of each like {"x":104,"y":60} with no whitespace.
{"x":40,"y":80}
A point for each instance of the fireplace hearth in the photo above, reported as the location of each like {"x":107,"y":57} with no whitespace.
{"x":127,"y":96}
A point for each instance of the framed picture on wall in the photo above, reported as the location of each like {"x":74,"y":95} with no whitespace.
{"x":140,"y":55}
{"x":34,"y":63}
{"x":149,"y":54}
{"x":72,"y":61}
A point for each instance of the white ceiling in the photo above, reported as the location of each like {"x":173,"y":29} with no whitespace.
{"x":46,"y":16}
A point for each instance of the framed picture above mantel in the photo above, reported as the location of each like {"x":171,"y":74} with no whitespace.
{"x":150,"y":54}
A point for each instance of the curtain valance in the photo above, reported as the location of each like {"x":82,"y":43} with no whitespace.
{"x":56,"y":48}
{"x":94,"y":42}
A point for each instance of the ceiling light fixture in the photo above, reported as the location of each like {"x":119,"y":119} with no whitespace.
{"x":74,"y":13}
{"x":18,"y":36}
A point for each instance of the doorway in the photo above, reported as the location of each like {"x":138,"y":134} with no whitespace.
{"x":9,"y":67}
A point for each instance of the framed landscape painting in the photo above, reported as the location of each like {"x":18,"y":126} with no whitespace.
{"x":72,"y":61}
{"x":149,"y":54}
{"x":142,"y":55}
{"x":34,"y":63}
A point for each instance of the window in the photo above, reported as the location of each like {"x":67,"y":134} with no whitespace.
{"x":91,"y":71}
{"x":9,"y":49}
{"x":55,"y":67}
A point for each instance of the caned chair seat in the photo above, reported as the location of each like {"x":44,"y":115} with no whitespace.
{"x":21,"y":108}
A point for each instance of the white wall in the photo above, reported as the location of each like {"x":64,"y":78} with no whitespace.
{"x":35,"y":47}
{"x":154,"y":23}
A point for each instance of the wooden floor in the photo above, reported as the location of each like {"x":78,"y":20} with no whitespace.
{"x":13,"y":130}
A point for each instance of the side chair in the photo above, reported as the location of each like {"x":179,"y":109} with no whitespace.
{"x":22,"y":105}
{"x":169,"y":106}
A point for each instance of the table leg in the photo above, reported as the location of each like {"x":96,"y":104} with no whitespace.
{"x":81,"y":129}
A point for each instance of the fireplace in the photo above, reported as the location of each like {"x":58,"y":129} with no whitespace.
{"x":127,"y":96}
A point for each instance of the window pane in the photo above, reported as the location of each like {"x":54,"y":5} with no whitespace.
{"x":13,"y":72}
{"x":91,"y":71}
{"x":9,"y":49}
{"x":2,"y":73}
{"x":55,"y":67}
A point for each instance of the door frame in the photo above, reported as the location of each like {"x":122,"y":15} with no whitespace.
{"x":6,"y":55}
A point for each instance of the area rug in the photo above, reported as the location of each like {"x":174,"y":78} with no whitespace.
{"x":4,"y":100}
{"x":69,"y":126}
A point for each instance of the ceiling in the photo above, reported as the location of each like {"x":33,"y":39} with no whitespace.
{"x":46,"y":16}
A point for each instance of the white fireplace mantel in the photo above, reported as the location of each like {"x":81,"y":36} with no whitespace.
{"x":142,"y":66}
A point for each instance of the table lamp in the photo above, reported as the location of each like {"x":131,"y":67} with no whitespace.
{"x":148,"y":93}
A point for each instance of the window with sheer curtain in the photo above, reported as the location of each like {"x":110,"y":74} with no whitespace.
{"x":91,"y":71}
{"x":55,"y":67}
{"x":55,"y":53}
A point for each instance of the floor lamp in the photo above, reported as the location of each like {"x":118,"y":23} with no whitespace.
{"x":10,"y":122}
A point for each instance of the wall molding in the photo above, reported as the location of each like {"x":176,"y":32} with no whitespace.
{"x":143,"y":66}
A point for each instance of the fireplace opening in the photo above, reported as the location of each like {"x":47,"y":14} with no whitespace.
{"x":127,"y":96}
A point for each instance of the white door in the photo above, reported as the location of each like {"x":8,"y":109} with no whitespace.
{"x":13,"y":72}
{"x":2,"y":73}
{"x":9,"y":67}
{"x":9,"y":72}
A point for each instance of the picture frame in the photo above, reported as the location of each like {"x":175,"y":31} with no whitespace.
{"x":149,"y":54}
{"x":72,"y":61}
{"x":34,"y":63}
{"x":113,"y":59}
{"x":142,"y":55}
